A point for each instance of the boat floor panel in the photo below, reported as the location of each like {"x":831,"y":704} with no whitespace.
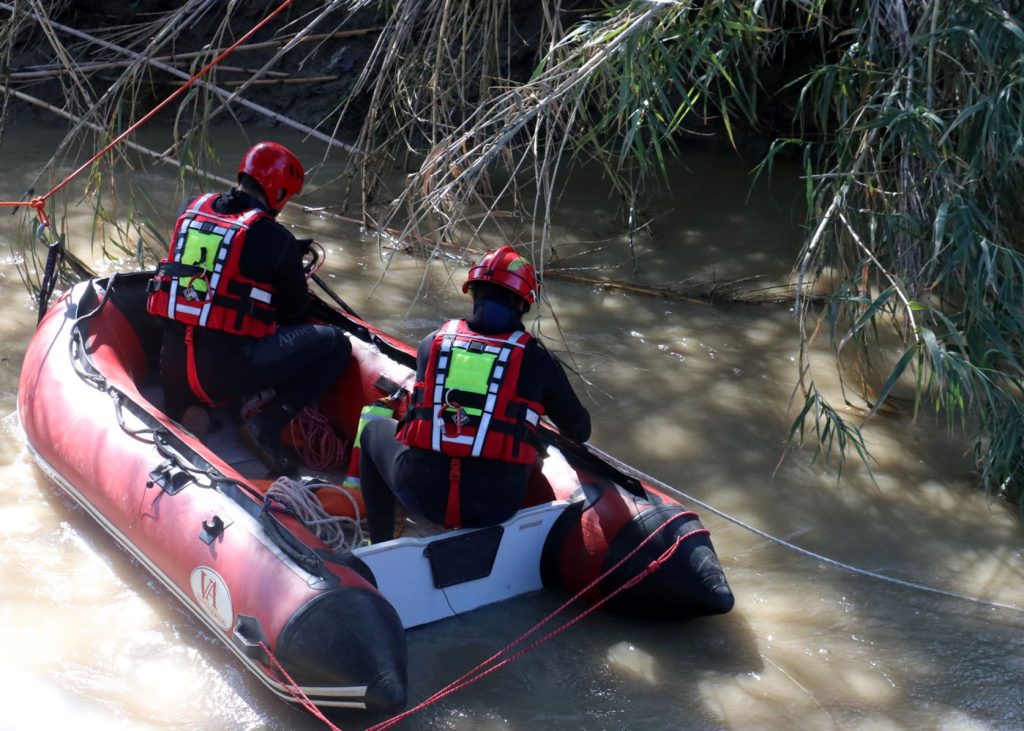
{"x":225,"y":440}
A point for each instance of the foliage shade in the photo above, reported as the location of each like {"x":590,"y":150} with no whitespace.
{"x":907,"y":115}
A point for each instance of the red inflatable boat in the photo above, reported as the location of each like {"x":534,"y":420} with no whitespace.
{"x":197,"y":515}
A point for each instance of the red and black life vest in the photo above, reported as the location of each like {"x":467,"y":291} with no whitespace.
{"x":200,"y":284}
{"x":467,"y":404}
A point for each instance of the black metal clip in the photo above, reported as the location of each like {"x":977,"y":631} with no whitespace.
{"x":212,"y":528}
{"x":248,"y":636}
{"x":169,"y":477}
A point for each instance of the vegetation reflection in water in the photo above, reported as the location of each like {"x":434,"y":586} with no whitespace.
{"x":907,"y":199}
{"x":696,"y":396}
{"x":905,"y":118}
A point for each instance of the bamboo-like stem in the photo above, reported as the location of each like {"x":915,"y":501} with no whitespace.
{"x":223,"y":94}
{"x":277,"y":43}
{"x":51,"y":72}
{"x":284,"y":82}
{"x":128,"y":143}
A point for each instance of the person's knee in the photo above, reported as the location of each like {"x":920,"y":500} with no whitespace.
{"x":341,"y":347}
{"x":375,"y":433}
{"x":335,"y":350}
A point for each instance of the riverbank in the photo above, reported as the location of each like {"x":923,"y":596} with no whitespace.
{"x":324,"y":82}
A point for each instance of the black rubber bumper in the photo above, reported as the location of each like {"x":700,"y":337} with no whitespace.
{"x":349,"y":636}
{"x":691,"y":583}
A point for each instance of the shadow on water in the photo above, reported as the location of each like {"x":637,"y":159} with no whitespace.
{"x":142,"y":654}
{"x":695,"y":395}
{"x":837,"y":648}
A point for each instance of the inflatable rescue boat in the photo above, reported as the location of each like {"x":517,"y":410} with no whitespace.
{"x":298,"y":611}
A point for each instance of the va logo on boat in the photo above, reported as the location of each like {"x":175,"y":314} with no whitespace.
{"x":212,"y":592}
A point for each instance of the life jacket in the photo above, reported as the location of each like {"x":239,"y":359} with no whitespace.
{"x":200,"y":284}
{"x":467,"y":404}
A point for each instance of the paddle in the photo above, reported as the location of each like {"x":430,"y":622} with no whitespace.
{"x":595,"y":462}
{"x":312,"y":247}
{"x":334,"y":296}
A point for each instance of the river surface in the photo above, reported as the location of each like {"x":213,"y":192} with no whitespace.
{"x":697,"y":396}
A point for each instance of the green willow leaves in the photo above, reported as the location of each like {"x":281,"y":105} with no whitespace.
{"x":907,"y":116}
{"x":910,"y":118}
{"x":918,"y":182}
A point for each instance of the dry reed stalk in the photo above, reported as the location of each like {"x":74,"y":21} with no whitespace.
{"x":127,"y":143}
{"x":224,"y":95}
{"x":278,"y":43}
{"x":284,"y":82}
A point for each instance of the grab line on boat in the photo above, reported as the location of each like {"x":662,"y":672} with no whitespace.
{"x":493,"y":663}
{"x":793,"y":547}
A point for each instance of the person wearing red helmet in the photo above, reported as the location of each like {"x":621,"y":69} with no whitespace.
{"x":232,"y":294}
{"x":462,"y":454}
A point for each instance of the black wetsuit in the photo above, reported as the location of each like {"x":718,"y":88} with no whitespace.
{"x":299,"y":361}
{"x":490,"y":491}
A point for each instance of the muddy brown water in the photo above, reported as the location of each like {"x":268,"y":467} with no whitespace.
{"x":694,"y":395}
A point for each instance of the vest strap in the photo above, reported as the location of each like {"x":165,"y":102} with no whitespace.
{"x":453,"y":513}
{"x":193,"y":373}
{"x":175,"y":269}
{"x":240,"y":304}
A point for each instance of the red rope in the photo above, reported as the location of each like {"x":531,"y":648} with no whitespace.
{"x":491,"y":664}
{"x":320,"y":447}
{"x":482,"y":671}
{"x":294,"y":690}
{"x":39,"y":203}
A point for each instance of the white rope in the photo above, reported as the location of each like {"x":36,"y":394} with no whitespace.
{"x":340,"y":532}
{"x":632,"y":471}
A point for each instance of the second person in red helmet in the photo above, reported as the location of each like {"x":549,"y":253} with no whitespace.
{"x":462,"y":454}
{"x":232,"y":293}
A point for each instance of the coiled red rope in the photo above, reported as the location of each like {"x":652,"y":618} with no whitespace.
{"x":321,"y":448}
{"x":39,"y":202}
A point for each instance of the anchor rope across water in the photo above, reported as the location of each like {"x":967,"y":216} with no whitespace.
{"x":494,"y":662}
{"x":39,"y":202}
{"x":497,"y":661}
{"x":632,"y":471}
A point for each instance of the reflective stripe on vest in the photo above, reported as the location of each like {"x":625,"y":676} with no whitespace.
{"x":199,"y":282}
{"x":470,"y":406}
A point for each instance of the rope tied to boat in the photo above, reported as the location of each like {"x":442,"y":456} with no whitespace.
{"x":293,"y":689}
{"x":54,"y":253}
{"x":38,"y":203}
{"x":316,"y":441}
{"x":842,"y":565}
{"x":494,"y":662}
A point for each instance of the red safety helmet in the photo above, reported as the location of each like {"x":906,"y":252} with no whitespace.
{"x":506,"y":268}
{"x":276,"y":169}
